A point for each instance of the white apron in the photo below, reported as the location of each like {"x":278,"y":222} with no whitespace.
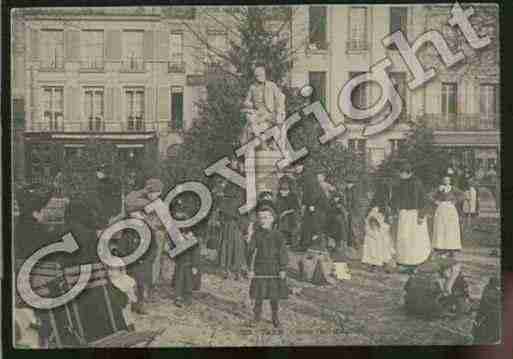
{"x":377,"y":244}
{"x":413,"y":246}
{"x":446,"y":227}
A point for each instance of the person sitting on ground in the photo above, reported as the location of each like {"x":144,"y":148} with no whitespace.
{"x":437,"y":288}
{"x":486,"y":329}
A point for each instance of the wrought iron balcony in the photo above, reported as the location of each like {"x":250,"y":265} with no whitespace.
{"x":97,"y":125}
{"x":133,"y":64}
{"x":52,"y":63}
{"x":357,"y":45}
{"x":176,"y":66}
{"x":462,"y":122}
{"x":92,"y":64}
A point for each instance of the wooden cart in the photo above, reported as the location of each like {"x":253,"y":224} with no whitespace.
{"x":92,"y":319}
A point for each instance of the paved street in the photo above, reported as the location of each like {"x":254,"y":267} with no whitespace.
{"x":367,"y":310}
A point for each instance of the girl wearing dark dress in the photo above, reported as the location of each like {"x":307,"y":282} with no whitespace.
{"x":268,"y":260}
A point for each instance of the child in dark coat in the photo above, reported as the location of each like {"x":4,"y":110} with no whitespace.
{"x":287,"y":204}
{"x":187,"y":263}
{"x":268,"y":261}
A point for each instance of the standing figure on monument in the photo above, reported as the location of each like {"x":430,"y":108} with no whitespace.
{"x":264,"y":106}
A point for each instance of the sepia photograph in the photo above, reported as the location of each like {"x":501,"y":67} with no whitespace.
{"x":255,"y":176}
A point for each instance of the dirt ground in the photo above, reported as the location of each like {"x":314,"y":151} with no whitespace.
{"x":366,"y":310}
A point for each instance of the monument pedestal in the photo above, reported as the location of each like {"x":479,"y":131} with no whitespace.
{"x":266,"y":171}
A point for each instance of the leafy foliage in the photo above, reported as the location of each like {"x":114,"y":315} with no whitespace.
{"x":217,"y":131}
{"x":429,"y":162}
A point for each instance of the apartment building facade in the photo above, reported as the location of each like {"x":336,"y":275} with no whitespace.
{"x":463,"y":109}
{"x":132,"y":77}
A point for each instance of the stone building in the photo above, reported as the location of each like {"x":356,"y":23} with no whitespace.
{"x":132,"y":76}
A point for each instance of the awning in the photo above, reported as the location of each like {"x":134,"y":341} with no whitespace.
{"x":470,"y":138}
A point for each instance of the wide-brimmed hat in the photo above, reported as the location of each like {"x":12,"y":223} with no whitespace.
{"x":405,"y":166}
{"x":153,"y":185}
{"x":285,"y":181}
{"x":351,"y":178}
{"x":265,"y":205}
{"x":33,"y":197}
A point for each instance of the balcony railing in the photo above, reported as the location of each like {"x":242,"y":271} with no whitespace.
{"x":92,"y":64}
{"x":133,"y":64}
{"x":176,"y":66}
{"x":101,"y":126}
{"x":357,"y":45}
{"x":462,"y":122}
{"x":53,"y":63}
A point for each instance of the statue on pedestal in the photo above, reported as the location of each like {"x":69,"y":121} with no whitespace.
{"x":264,"y":106}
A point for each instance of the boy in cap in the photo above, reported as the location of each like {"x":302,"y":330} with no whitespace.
{"x":268,"y":260}
{"x":187,"y":263}
{"x":147,"y":269}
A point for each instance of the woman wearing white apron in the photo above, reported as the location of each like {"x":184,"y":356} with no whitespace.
{"x":408,"y":202}
{"x":446,"y":224}
{"x":377,"y":245}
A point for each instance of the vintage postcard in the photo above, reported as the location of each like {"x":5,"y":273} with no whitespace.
{"x":212,"y":176}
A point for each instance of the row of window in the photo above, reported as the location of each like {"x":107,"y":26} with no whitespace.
{"x":92,"y":48}
{"x":52,"y":105}
{"x":488,"y":94}
{"x":92,"y":42}
{"x":357,"y":26}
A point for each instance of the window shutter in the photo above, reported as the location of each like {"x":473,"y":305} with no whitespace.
{"x":148,"y":46}
{"x":109,"y":104}
{"x":113,"y":45}
{"x":35,"y":106}
{"x":163,"y":46}
{"x":77,"y":105}
{"x":72,"y":45}
{"x":117,"y":106}
{"x":34,"y":44}
{"x":68,"y":106}
{"x":75,"y":45}
{"x":148,"y":102}
{"x":164,"y":104}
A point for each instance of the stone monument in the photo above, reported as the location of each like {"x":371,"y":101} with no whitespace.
{"x":264,"y":107}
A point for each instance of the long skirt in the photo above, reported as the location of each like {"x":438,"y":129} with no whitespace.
{"x":446,"y":227}
{"x":413,"y":245}
{"x":232,"y":248}
{"x":377,"y":246}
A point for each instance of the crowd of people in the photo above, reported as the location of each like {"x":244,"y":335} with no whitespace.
{"x":401,"y":227}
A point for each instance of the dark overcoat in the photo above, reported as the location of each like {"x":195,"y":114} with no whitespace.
{"x":288,"y":211}
{"x":317,"y":211}
{"x":231,"y":248}
{"x":183,"y":279}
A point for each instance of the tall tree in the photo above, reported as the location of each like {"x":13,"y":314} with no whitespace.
{"x":429,"y":161}
{"x":256,"y":35}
